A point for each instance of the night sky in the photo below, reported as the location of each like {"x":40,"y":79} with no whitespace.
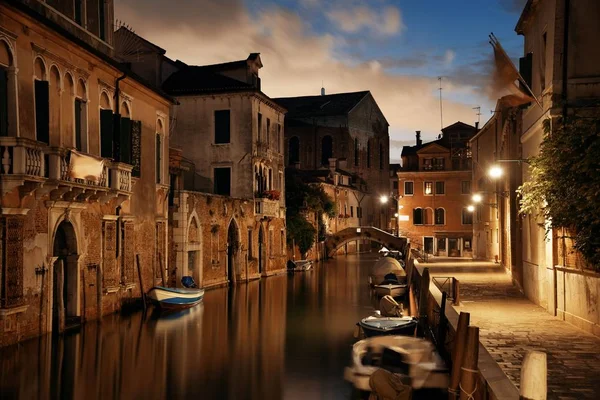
{"x":396,"y":49}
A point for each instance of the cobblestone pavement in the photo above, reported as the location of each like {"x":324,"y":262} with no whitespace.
{"x":510,"y":325}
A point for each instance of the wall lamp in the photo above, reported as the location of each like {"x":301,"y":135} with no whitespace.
{"x":496,"y":171}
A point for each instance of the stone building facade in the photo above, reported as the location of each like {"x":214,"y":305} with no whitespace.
{"x":349,"y":127}
{"x":434,"y":191}
{"x":69,"y":244}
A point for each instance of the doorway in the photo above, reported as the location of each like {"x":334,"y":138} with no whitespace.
{"x":453,"y":248}
{"x":233,"y":246}
{"x":65,"y":310}
{"x":428,"y":245}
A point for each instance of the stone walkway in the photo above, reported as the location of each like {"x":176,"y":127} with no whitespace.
{"x":509,"y":325}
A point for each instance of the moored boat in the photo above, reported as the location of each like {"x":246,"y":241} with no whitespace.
{"x":175,"y":298}
{"x":391,"y":289}
{"x":414,"y":360}
{"x":378,"y":326}
{"x":300,"y":265}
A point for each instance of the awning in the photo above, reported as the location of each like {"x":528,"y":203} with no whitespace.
{"x":85,"y":166}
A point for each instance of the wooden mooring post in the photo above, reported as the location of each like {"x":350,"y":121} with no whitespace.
{"x":469,"y":374}
{"x":424,"y":302}
{"x":534,"y":376}
{"x":458,"y":354}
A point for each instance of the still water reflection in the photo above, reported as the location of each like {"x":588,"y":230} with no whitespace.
{"x":283,"y":337}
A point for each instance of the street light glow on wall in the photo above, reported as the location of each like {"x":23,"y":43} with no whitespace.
{"x":471,"y":208}
{"x":477,"y":198}
{"x":383,"y":199}
{"x":495,"y":172}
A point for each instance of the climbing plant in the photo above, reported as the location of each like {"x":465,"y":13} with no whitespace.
{"x":564,"y":185}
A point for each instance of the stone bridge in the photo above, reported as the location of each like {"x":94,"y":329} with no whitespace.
{"x":371,"y":233}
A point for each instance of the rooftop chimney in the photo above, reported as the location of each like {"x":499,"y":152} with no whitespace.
{"x":477,"y":125}
{"x":419,"y":141}
{"x":322,"y":91}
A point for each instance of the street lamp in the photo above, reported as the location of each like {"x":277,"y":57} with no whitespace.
{"x":495,"y":172}
{"x":477,"y":198}
{"x":471,"y":208}
{"x":383,"y":199}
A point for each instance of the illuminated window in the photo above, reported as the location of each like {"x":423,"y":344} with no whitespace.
{"x":428,"y":188}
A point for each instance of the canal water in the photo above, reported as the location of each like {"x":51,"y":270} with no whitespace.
{"x":283,"y":337}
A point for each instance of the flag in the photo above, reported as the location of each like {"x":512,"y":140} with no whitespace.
{"x":507,"y":79}
{"x":84,"y":166}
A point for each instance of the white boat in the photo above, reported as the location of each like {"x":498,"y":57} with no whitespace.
{"x":377,"y":326}
{"x":175,"y":298}
{"x":300,"y":265}
{"x":413,"y":359}
{"x":391,"y":289}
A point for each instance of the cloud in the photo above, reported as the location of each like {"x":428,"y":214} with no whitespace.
{"x":296,"y":60}
{"x":385,"y":22}
{"x":449,"y":57}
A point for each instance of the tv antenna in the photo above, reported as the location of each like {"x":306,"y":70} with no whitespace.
{"x":478,"y":113}
{"x":128,"y":44}
{"x":441,"y":113}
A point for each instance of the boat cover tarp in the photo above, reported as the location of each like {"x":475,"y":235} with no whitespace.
{"x":385,"y":266}
{"x":388,"y":386}
{"x":388,"y":307}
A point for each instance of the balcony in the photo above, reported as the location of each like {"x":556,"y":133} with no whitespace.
{"x":34,"y":167}
{"x":265,"y":151}
{"x":266,"y":208}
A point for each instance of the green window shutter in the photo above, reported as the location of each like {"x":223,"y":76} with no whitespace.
{"x":125,"y":140}
{"x":42,"y":111}
{"x":136,"y":147}
{"x":106,"y":133}
{"x":3,"y":102}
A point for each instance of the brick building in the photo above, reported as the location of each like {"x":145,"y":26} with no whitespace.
{"x":69,"y":240}
{"x":434,"y":193}
{"x":344,"y":126}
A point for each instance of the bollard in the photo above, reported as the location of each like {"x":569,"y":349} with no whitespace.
{"x":534,"y":376}
{"x":469,"y":374}
{"x":456,"y":292}
{"x":458,"y":354}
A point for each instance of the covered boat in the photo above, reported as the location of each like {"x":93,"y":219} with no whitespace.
{"x":300,"y":265}
{"x":176,"y":298}
{"x":391,"y":286}
{"x":383,"y":267}
{"x":377,"y":326}
{"x":413,"y":360}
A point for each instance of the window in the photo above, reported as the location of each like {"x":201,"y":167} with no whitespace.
{"x":222,"y":181}
{"x":466,"y":187}
{"x":278,"y":147}
{"x":250,"y":247}
{"x":356,"y":152}
{"x":3,"y":100}
{"x":294,"y":150}
{"x":409,"y":188}
{"x":268,"y":131}
{"x":427,"y":163}
{"x":102,"y":19}
{"x":440,"y":216}
{"x":417,"y":216}
{"x":381,"y":156}
{"x":543,"y":62}
{"x":467,"y":217}
{"x":326,"y":150}
{"x":467,"y":244}
{"x":358,"y":212}
{"x":441,"y":244}
{"x":222,"y":126}
{"x":428,"y":188}
{"x":368,"y":154}
{"x":106,"y":133}
{"x":78,"y":12}
{"x":259,"y":126}
{"x":158,"y":158}
{"x":440,"y":187}
{"x":351,"y":211}
{"x":439,"y":163}
{"x":80,"y":128}
{"x":42,"y":111}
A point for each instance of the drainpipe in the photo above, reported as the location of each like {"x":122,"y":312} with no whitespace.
{"x":117,"y":120}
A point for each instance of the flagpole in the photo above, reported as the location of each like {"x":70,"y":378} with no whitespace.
{"x":495,"y":42}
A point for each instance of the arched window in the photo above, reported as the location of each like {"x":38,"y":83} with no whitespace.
{"x":356,"y":152}
{"x":368,"y":154}
{"x":326,"y":149}
{"x":80,"y":123}
{"x":440,"y":216}
{"x":42,"y":102}
{"x":427,"y":216}
{"x":294,"y":150}
{"x":5,"y":63}
{"x":417,"y":216}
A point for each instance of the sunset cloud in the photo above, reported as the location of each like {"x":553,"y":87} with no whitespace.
{"x":296,"y":59}
{"x":385,"y":22}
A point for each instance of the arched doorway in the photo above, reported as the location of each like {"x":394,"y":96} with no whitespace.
{"x":65,"y":305}
{"x":261,"y":250}
{"x":233,"y":246}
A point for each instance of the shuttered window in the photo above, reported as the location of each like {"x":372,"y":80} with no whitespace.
{"x":3,"y":102}
{"x":79,"y":140}
{"x":222,"y":127}
{"x":125,"y":140}
{"x":106,"y":133}
{"x":136,"y":148}
{"x":42,"y":112}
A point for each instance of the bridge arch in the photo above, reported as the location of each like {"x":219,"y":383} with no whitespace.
{"x":337,"y":240}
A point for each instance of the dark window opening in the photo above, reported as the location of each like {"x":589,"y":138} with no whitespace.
{"x":222,"y":181}
{"x":352,"y":211}
{"x":467,"y":217}
{"x":3,"y":102}
{"x":543,"y":62}
{"x":42,"y":111}
{"x":417,"y":216}
{"x":78,"y":13}
{"x":78,"y":128}
{"x":409,"y":188}
{"x":441,"y":244}
{"x":125,"y":140}
{"x":106,"y":133}
{"x":326,"y":150}
{"x":172,"y":188}
{"x":259,"y":126}
{"x":222,"y":126}
{"x":294,"y":150}
{"x":440,"y":188}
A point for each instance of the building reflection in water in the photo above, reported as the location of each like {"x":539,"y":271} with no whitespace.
{"x":281,"y":337}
